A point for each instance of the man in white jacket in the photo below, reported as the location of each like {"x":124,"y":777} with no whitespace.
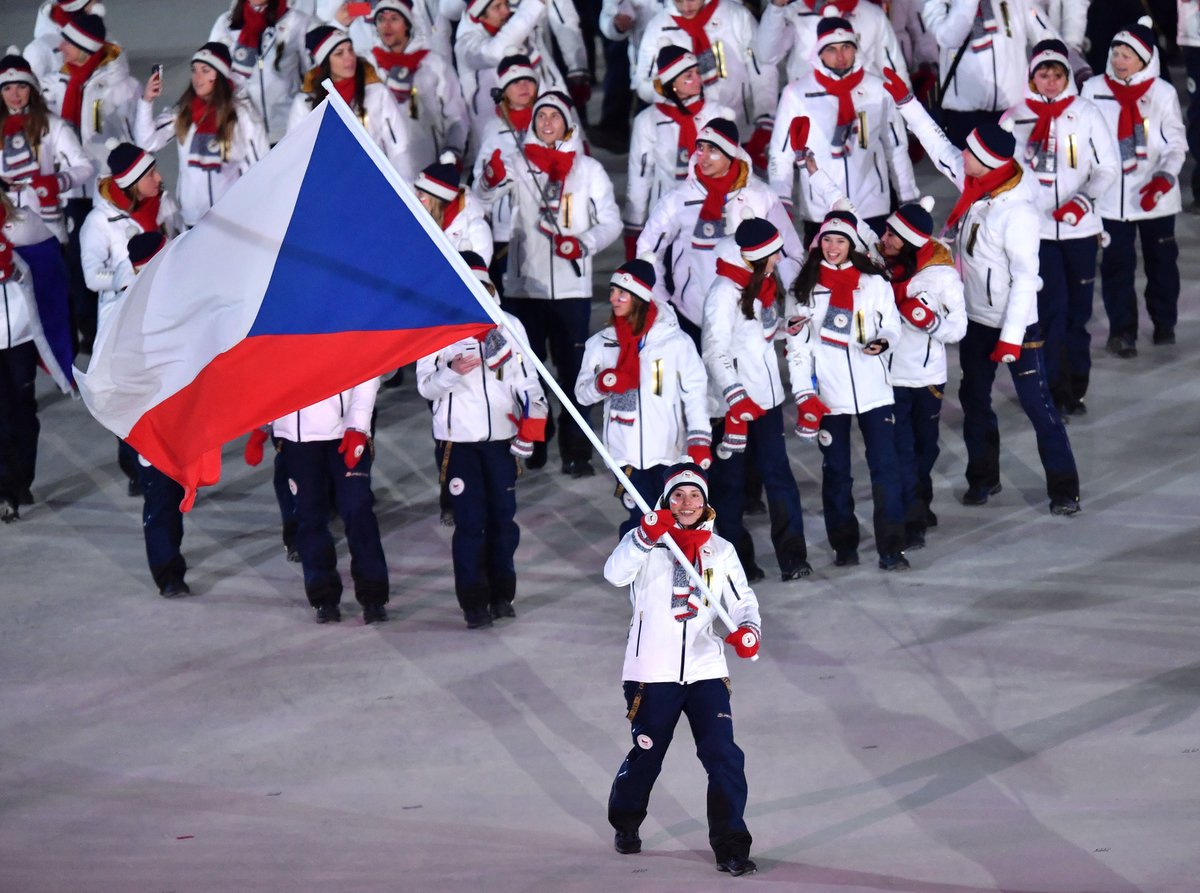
{"x":675,"y":665}
{"x":996,"y":245}
{"x":789,"y":29}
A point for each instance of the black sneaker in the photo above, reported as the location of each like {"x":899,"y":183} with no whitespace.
{"x":374,"y":614}
{"x":447,"y":517}
{"x":175,"y":589}
{"x":1122,"y":346}
{"x":893,"y":561}
{"x":801,"y":570}
{"x":538,"y":459}
{"x":578,"y":468}
{"x":481,"y":619}
{"x":627,"y":842}
{"x":754,"y":573}
{"x":978,"y":494}
{"x":738,"y":865}
{"x":293,"y":554}
{"x":501,"y":610}
{"x":1164,"y":336}
{"x":328,"y":613}
{"x":1064,"y":505}
{"x":915,"y":539}
{"x":8,"y":511}
{"x":845,"y":558}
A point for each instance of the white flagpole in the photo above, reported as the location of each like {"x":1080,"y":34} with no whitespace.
{"x":404,"y":190}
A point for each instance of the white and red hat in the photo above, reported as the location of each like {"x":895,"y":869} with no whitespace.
{"x":636,"y":277}
{"x":515,"y":68}
{"x":14,"y":69}
{"x":71,"y":5}
{"x":721,"y":133}
{"x":686,"y":474}
{"x":991,"y":144}
{"x":476,"y":9}
{"x":839,"y":223}
{"x":403,"y":7}
{"x":441,"y":180}
{"x":324,"y":40}
{"x":912,"y":222}
{"x":672,"y":62}
{"x":1140,"y":38}
{"x":478,"y":266}
{"x":1047,"y":52}
{"x":128,"y":164}
{"x":556,"y":100}
{"x":834,"y":29}
{"x":144,"y":246}
{"x":757,"y":238}
{"x":216,"y":56}
{"x":86,"y":31}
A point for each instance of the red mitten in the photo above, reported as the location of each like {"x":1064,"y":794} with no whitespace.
{"x":655,"y":524}
{"x":579,"y":85}
{"x":809,"y":412}
{"x":734,"y":440}
{"x":701,"y":455}
{"x":568,"y":247}
{"x":631,"y":237}
{"x":1073,"y":211}
{"x":756,"y":147}
{"x":611,"y":381}
{"x":254,"y":446}
{"x":1158,"y":186}
{"x":745,"y":409}
{"x":1005,"y":352}
{"x":798,"y":133}
{"x":896,"y":87}
{"x":918,"y":315}
{"x":744,"y":641}
{"x":6,"y":258}
{"x":494,"y":171}
{"x":46,"y":186}
{"x":354,"y":444}
{"x":532,"y":429}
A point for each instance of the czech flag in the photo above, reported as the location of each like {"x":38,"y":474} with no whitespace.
{"x":315,"y":272}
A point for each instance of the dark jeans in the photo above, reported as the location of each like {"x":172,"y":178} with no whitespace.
{"x":1191,"y":61}
{"x":981,"y":429}
{"x":618,"y":95}
{"x":19,"y":426}
{"x":1068,"y":270}
{"x":918,"y":419}
{"x":563,"y":326}
{"x":162,"y":525}
{"x":647,"y":481}
{"x":482,"y":481}
{"x":767,"y":449}
{"x":706,"y":705}
{"x":1118,"y":264}
{"x":878,"y":427}
{"x":311,"y":468}
{"x":283,"y":497}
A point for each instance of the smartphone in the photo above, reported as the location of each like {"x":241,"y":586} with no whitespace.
{"x":157,"y":70}
{"x":358,"y":10}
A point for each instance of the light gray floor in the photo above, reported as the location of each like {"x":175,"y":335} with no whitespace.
{"x":1018,"y":713}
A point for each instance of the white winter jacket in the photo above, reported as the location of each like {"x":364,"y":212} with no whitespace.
{"x":586,"y":210}
{"x":991,"y":75}
{"x":998,"y":239}
{"x":1085,"y":161}
{"x":747,"y":87}
{"x":874,"y":158}
{"x":661,"y":648}
{"x":469,"y":231}
{"x":328,"y":419}
{"x":1166,"y":145}
{"x":673,"y":221}
{"x":652,"y":425}
{"x":509,"y":140}
{"x":480,"y":406}
{"x":275,"y":79}
{"x":653,"y":157}
{"x":917,"y":45}
{"x":58,"y":153}
{"x":641,"y":11}
{"x":209,"y":167}
{"x":1187,"y":33}
{"x":739,"y":353}
{"x":849,"y":382}
{"x":791,"y":31}
{"x":918,"y":359}
{"x":1068,"y":18}
{"x":17,"y":308}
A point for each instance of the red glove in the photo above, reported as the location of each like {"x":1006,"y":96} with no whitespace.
{"x":798,"y":133}
{"x":46,"y":186}
{"x":744,"y":641}
{"x":1005,"y":352}
{"x":631,"y":237}
{"x":494,"y":171}
{"x":701,"y":455}
{"x":1073,"y":211}
{"x":6,"y":258}
{"x":579,"y":85}
{"x":655,"y":524}
{"x":354,"y":444}
{"x":531,"y":429}
{"x":756,"y":147}
{"x":610,"y":381}
{"x":896,"y":87}
{"x":254,"y":446}
{"x":1158,"y":186}
{"x":734,"y":440}
{"x":809,"y":412}
{"x":568,"y":247}
{"x":746,"y":409}
{"x":918,"y":315}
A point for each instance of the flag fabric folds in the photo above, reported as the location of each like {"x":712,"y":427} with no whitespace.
{"x":313,"y":273}
{"x":51,"y":312}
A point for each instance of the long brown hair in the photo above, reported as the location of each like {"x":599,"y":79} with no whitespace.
{"x":221,"y":99}
{"x":802,"y":288}
{"x":315,"y":80}
{"x":637,"y":314}
{"x":758,"y":272}
{"x":37,"y":118}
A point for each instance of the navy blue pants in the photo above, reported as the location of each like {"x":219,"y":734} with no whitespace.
{"x":918,"y":419}
{"x":1118,"y":264}
{"x":878,"y":427}
{"x":162,"y":525}
{"x":482,"y":480}
{"x":563,"y":326}
{"x":654,"y":710}
{"x":1191,"y":61}
{"x":283,"y":496}
{"x":647,"y":481}
{"x":311,"y":468}
{"x":767,"y":449}
{"x":1068,"y":271}
{"x":981,"y":429}
{"x":19,"y":426}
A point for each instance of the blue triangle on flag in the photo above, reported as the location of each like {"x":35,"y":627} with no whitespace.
{"x":354,"y":258}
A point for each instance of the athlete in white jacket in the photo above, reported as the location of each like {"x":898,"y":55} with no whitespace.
{"x":19,"y":426}
{"x":675,"y":665}
{"x":459,"y":214}
{"x":788,"y":28}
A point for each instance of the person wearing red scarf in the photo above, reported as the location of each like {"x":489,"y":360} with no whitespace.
{"x":652,"y":384}
{"x":996,"y":227}
{"x":453,"y":208}
{"x":675,"y":663}
{"x":789,"y":29}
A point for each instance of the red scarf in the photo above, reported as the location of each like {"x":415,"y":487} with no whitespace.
{"x":145,"y":215}
{"x":72,"y":107}
{"x":628,"y":364}
{"x":900,"y":286}
{"x":14,"y":123}
{"x":549,"y":161}
{"x":717,"y":188}
{"x":686,"y":121}
{"x":841,"y":88}
{"x":346,"y":88}
{"x":695,"y":27}
{"x":1127,"y":97}
{"x":520,"y":119}
{"x":845,"y":7}
{"x":976,"y":187}
{"x":740,"y":277}
{"x":388,"y":60}
{"x":452,"y":209}
{"x":841,"y":284}
{"x":690,"y":541}
{"x":254,"y":23}
{"x":204,"y":116}
{"x":1046,"y":113}
{"x":58,"y":15}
